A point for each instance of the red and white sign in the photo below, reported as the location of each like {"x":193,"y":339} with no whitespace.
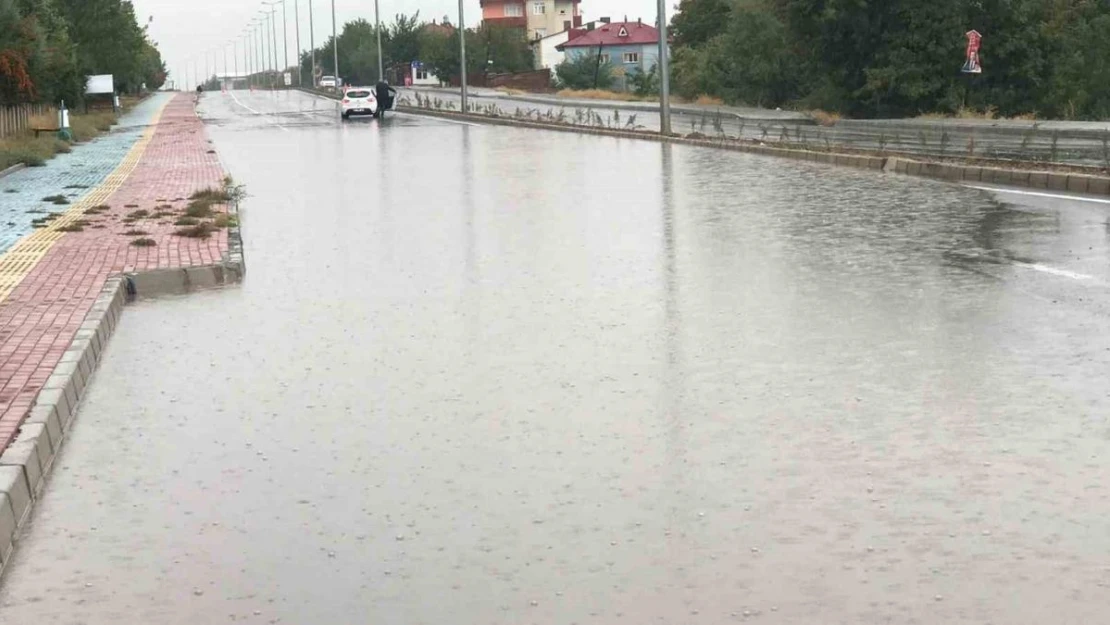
{"x":971,"y":66}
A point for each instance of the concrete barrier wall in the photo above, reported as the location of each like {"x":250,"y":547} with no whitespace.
{"x":1048,"y":180}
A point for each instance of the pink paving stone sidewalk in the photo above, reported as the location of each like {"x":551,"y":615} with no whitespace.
{"x":41,"y":316}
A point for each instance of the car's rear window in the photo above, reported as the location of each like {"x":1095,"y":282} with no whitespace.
{"x":358,"y":94}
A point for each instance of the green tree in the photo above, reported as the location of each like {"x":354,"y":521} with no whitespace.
{"x":585,"y":70}
{"x":404,"y":39}
{"x":16,"y":48}
{"x":109,"y":39}
{"x":698,"y":21}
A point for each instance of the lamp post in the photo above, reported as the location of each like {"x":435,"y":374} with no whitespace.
{"x":312,"y":41}
{"x":297,"y":21}
{"x":284,"y":33}
{"x":462,"y":56}
{"x":664,"y":72}
{"x":378,"y":32}
{"x":335,"y":43}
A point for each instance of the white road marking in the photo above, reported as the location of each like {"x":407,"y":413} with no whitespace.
{"x":442,"y":119}
{"x":266,"y":115}
{"x":1054,"y":196}
{"x":1054,"y":271}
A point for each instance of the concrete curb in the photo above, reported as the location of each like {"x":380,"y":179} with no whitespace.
{"x":650,"y":107}
{"x":1048,"y":180}
{"x":25,"y":464}
{"x":11,"y":170}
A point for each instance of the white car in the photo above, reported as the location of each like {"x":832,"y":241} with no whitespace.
{"x":359,"y":101}
{"x":328,"y":82}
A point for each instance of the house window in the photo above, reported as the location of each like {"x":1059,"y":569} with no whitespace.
{"x":631,"y":57}
{"x":604,"y":58}
{"x":422,"y":74}
{"x":514,"y":10}
{"x":541,"y":33}
{"x":539,"y":8}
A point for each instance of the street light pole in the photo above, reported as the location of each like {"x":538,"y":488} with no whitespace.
{"x":378,"y":31}
{"x":664,"y":71}
{"x":235,"y":57}
{"x":462,"y":56}
{"x":273,"y":41}
{"x":335,"y":44}
{"x":297,"y":19}
{"x":312,"y":41}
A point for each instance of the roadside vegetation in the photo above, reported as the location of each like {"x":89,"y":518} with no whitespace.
{"x":898,"y":58}
{"x":48,"y":47}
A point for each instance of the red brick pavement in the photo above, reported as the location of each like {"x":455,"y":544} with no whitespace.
{"x":40,"y":317}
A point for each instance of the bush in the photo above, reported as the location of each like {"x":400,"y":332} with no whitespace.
{"x":645,"y":84}
{"x":585,"y":71}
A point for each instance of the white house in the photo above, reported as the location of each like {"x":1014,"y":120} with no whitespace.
{"x":545,"y":52}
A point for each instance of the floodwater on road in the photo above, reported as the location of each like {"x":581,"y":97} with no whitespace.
{"x":489,"y":375}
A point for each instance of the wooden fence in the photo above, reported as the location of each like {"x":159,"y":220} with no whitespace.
{"x":17,"y":119}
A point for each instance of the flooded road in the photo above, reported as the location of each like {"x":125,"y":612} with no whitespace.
{"x":487,"y":375}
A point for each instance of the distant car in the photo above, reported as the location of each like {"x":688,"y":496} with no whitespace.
{"x":359,"y":101}
{"x":329,"y":81}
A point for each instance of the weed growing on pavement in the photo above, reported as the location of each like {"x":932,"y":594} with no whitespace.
{"x":224,"y":221}
{"x":56,"y":199}
{"x":42,"y":222}
{"x":76,"y":186}
{"x":144,"y":243}
{"x":72,"y":228}
{"x":199,"y":208}
{"x":139,"y":214}
{"x":10,"y":191}
{"x":99,"y":208}
{"x":203,"y":230}
{"x":187,"y":221}
{"x":136,"y":233}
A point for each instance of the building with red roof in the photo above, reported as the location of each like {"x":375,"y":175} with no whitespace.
{"x":633,"y":46}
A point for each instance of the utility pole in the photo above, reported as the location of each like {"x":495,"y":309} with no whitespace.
{"x":335,"y":43}
{"x":284,"y":34}
{"x":664,"y":71}
{"x":297,"y":19}
{"x":378,"y":31}
{"x":235,"y":56}
{"x":225,"y":63}
{"x":273,"y":41}
{"x":312,"y":42}
{"x":462,"y":56}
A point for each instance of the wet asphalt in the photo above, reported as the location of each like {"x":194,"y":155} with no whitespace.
{"x":489,"y":375}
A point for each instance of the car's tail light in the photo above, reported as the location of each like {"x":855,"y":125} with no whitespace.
{"x":346,"y":101}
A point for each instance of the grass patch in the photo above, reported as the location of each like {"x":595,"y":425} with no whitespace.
{"x":225,"y":221}
{"x":212,"y":195}
{"x":598,"y":94}
{"x":42,"y":222}
{"x":82,"y":222}
{"x":130,"y":205}
{"x":136,"y":233}
{"x":144,"y":243}
{"x":202,"y":230}
{"x":56,"y":199}
{"x":199,"y":208}
{"x":139,"y":214}
{"x":72,"y":228}
{"x":825,"y":118}
{"x":187,"y":221}
{"x":96,"y":210}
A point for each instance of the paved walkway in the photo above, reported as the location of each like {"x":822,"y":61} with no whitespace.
{"x":50,"y":277}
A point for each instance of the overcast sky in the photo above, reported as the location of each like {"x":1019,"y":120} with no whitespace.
{"x":185,"y":29}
